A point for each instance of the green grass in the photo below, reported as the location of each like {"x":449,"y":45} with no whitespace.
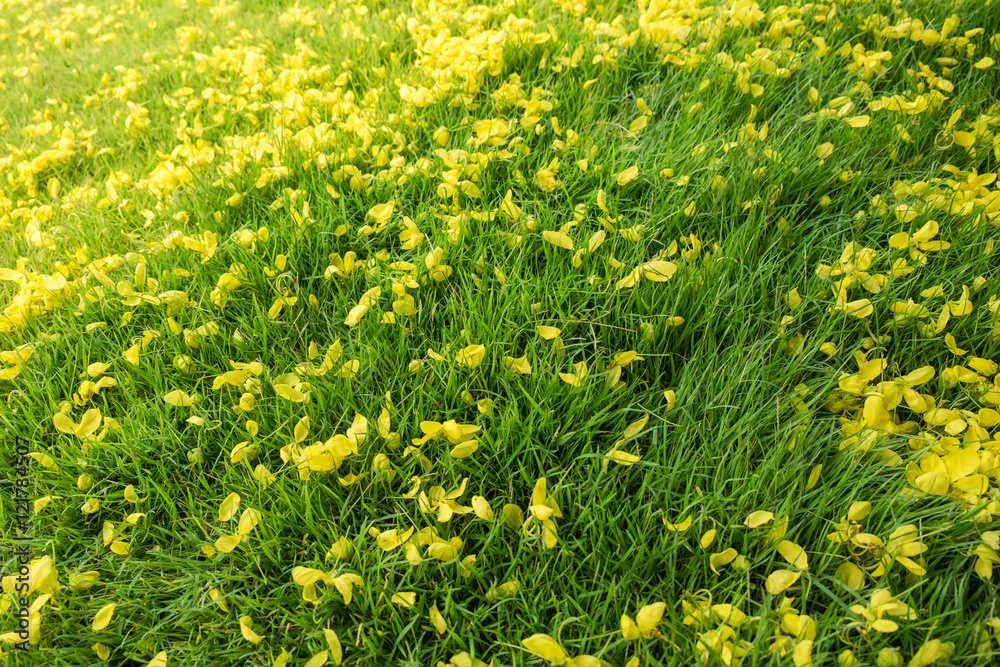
{"x":757,"y":408}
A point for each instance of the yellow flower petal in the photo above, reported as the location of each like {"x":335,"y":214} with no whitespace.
{"x":229,"y":507}
{"x":227,"y":543}
{"x":465,"y":449}
{"x":177,"y":398}
{"x":758,"y":518}
{"x":437,"y":620}
{"x":91,"y":420}
{"x":721,"y":559}
{"x":318,"y":660}
{"x":471,"y":356}
{"x":404,"y":599}
{"x":356,"y":314}
{"x":794,"y":554}
{"x":64,"y":423}
{"x":558,"y":239}
{"x":159,"y":660}
{"x":246,"y":623}
{"x":630,"y":631}
{"x":627,"y":176}
{"x":779,"y":580}
{"x":679,"y":527}
{"x":103,"y":617}
{"x":649,"y":617}
{"x":547,"y":647}
{"x":659,"y":270}
{"x":814,"y":476}
{"x":707,"y":538}
{"x":548,"y":333}
{"x":333,"y":641}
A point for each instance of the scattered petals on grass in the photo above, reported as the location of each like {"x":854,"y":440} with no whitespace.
{"x":262,"y":261}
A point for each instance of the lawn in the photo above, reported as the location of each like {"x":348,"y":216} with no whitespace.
{"x":529,"y":333}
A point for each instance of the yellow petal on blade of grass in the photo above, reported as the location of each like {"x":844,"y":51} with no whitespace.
{"x":952,"y":345}
{"x":482,"y":508}
{"x":103,"y":617}
{"x":246,"y":625}
{"x":289,"y":393}
{"x":248,"y":521}
{"x":131,"y":355}
{"x":227,"y":543}
{"x":758,"y":518}
{"x":575,"y":379}
{"x":519,"y":365}
{"x":679,"y":527}
{"x":814,"y":476}
{"x":437,"y":620}
{"x":471,"y":355}
{"x":355,"y":315}
{"x":794,"y":554}
{"x":850,"y":575}
{"x":380,"y":213}
{"x":465,"y":449}
{"x":64,"y":423}
{"x":89,"y":423}
{"x":779,"y":580}
{"x":43,"y":502}
{"x":627,"y":176}
{"x":861,"y":308}
{"x":159,"y":660}
{"x":548,"y":333}
{"x":229,"y":507}
{"x":635,"y":427}
{"x":859,"y":511}
{"x":546,"y":647}
{"x":623,"y":458}
{"x":177,"y":398}
{"x":560,"y":239}
{"x":659,"y":270}
{"x":130,"y":495}
{"x":885,"y":625}
{"x":404,"y":599}
{"x":630,"y":631}
{"x":102,"y":651}
{"x":707,"y":538}
{"x":721,"y":559}
{"x":388,"y":540}
{"x":964,"y":139}
{"x":333,"y":641}
{"x":649,"y":617}
{"x":319,"y":659}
